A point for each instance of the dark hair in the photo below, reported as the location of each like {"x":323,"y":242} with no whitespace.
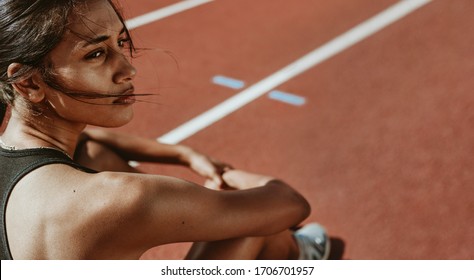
{"x":3,"y":111}
{"x":29,"y":31}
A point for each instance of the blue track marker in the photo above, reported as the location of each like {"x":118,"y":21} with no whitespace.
{"x":287,"y":98}
{"x":228,"y":82}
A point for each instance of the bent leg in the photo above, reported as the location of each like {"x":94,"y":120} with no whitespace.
{"x":99,"y":157}
{"x":278,"y":246}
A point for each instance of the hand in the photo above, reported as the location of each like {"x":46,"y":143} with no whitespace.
{"x":239,"y":179}
{"x":209,"y":168}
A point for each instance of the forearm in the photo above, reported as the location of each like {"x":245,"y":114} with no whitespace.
{"x":278,"y":205}
{"x":141,"y":149}
{"x":273,"y":196}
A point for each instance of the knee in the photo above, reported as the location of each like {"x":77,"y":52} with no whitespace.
{"x":91,"y":150}
{"x":98,"y":156}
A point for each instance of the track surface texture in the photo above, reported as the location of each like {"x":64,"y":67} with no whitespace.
{"x":383,"y":146}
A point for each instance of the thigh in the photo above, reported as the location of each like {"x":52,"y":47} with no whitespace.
{"x":247,"y":248}
{"x":280,"y":246}
{"x":99,"y":157}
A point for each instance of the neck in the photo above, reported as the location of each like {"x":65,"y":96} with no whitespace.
{"x":41,"y":131}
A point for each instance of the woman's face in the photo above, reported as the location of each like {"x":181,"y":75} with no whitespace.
{"x":92,"y":57}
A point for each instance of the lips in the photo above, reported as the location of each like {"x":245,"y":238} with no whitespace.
{"x":127,"y":98}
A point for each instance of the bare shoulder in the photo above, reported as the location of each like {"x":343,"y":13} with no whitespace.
{"x":59,"y":212}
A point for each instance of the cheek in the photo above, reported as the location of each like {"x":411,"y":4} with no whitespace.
{"x":85,"y":79}
{"x":95,"y":80}
{"x":103,"y":115}
{"x":93,"y":111}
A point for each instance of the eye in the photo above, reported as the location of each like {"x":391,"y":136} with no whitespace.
{"x":95,"y":54}
{"x":123,"y":42}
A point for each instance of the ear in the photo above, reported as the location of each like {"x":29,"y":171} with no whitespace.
{"x":30,"y":87}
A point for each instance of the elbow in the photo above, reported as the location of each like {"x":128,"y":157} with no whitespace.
{"x":306,"y":209}
{"x":302,"y":208}
{"x":298,"y":207}
{"x":294,"y":211}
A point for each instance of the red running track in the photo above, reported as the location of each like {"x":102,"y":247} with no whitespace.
{"x":382,"y":148}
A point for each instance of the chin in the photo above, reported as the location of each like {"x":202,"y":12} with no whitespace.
{"x":116,"y":121}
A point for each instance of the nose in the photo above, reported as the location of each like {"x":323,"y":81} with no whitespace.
{"x":125,"y":70}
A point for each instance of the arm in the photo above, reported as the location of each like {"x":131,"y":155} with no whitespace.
{"x":148,"y":150}
{"x":141,"y":211}
{"x":131,"y":147}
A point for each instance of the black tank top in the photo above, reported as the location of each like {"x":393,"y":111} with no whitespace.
{"x":14,"y":165}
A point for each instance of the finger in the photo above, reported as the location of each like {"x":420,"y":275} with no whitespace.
{"x":221,"y":167}
{"x":211,"y":184}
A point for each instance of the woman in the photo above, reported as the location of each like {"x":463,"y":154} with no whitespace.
{"x":67,"y":194}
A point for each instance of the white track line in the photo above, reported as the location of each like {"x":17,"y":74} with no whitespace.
{"x":335,"y":46}
{"x":164,"y":12}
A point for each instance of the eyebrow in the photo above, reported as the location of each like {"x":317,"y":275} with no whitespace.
{"x":99,"y":39}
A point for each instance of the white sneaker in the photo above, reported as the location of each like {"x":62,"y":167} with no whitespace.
{"x":313,"y":242}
